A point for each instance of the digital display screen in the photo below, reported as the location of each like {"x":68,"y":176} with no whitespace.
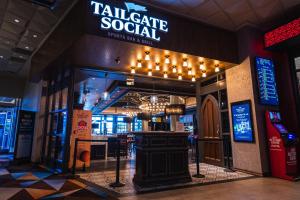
{"x":242,"y":122}
{"x":266,"y":82}
{"x":275,"y":117}
{"x":280,"y":128}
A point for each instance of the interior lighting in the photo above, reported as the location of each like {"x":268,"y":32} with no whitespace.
{"x":185,"y":63}
{"x":174,"y":69}
{"x":17,"y":20}
{"x":202,"y":67}
{"x":217,"y":68}
{"x":194,"y":79}
{"x":179,"y":76}
{"x":150,"y":73}
{"x":133,"y":70}
{"x":167,"y":60}
{"x":157,"y":67}
{"x":139,"y":64}
{"x":150,"y":66}
{"x":147,"y":57}
{"x":204,"y":74}
{"x":165,"y":74}
{"x":190,"y":71}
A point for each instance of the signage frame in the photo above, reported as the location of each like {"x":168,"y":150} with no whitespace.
{"x":249,"y":103}
{"x":260,"y":100}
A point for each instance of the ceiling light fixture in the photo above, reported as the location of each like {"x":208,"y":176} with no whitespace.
{"x":174,"y":69}
{"x":147,"y":57}
{"x":165,"y":74}
{"x":150,"y":73}
{"x":157,"y":67}
{"x":27,"y":47}
{"x":194,"y":79}
{"x":217,"y":68}
{"x":133,"y":70}
{"x":167,"y":60}
{"x":185,"y":63}
{"x":139,"y":65}
{"x":204,"y":74}
{"x":190,"y":71}
{"x":179,"y":76}
{"x":34,"y":35}
{"x":202,"y":67}
{"x":17,"y":20}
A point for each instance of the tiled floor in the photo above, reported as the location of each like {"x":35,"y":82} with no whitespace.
{"x":35,"y":183}
{"x":213,"y":174}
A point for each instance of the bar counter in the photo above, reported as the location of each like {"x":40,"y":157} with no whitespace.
{"x":161,"y":158}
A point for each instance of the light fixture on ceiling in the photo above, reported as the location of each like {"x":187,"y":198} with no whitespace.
{"x":1,"y":57}
{"x":147,"y":56}
{"x":165,"y":74}
{"x":204,"y":74}
{"x":217,"y":68}
{"x":194,"y":79}
{"x":93,"y":78}
{"x":174,"y":70}
{"x":179,"y":76}
{"x":34,"y":36}
{"x":150,"y":73}
{"x":139,"y":64}
{"x":17,"y":20}
{"x":105,"y":95}
{"x":133,"y":70}
{"x":202,"y":67}
{"x":153,"y":99}
{"x":27,"y":47}
{"x":167,"y":59}
{"x":150,"y":66}
{"x":190,"y":71}
{"x":185,"y":63}
{"x":157,"y":67}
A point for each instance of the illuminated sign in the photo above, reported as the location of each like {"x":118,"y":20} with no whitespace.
{"x":282,"y":33}
{"x":131,"y":19}
{"x":266,"y":82}
{"x":242,"y":121}
{"x":175,"y":109}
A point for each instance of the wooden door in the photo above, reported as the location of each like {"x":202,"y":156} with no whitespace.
{"x":210,"y":121}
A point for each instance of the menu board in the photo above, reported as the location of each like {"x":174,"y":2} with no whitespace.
{"x":242,"y":121}
{"x":266,"y":82}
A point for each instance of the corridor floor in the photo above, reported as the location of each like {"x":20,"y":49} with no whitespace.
{"x":250,"y":189}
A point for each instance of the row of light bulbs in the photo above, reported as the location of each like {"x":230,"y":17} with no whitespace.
{"x":174,"y":69}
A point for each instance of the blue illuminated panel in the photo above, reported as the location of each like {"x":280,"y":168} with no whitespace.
{"x":242,"y":122}
{"x":266,"y":82}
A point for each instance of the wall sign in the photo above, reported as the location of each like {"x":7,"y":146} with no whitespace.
{"x":266,"y":82}
{"x":282,"y":33}
{"x":129,"y":18}
{"x":242,"y":121}
{"x":25,"y":135}
{"x":175,"y":109}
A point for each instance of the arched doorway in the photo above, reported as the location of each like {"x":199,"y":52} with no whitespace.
{"x":210,"y":122}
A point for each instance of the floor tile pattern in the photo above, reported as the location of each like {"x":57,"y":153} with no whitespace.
{"x":39,"y":184}
{"x":213,"y":174}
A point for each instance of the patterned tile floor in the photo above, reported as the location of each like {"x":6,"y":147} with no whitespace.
{"x":35,"y":183}
{"x":213,"y":174}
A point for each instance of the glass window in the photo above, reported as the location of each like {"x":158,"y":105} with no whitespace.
{"x":223,"y":100}
{"x":137,"y":125}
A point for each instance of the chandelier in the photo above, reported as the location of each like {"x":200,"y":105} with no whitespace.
{"x":154,"y":103}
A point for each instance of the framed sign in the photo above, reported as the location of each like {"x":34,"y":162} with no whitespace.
{"x":266,"y":82}
{"x":242,"y":123}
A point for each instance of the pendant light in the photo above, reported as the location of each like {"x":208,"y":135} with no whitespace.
{"x":167,"y":59}
{"x":179,"y":76}
{"x":185,"y":63}
{"x":133,"y":70}
{"x":217,"y":68}
{"x":157,"y":67}
{"x":139,"y":64}
{"x":147,"y":56}
{"x":174,"y":69}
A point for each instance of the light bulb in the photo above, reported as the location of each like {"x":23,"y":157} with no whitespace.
{"x":174,"y":69}
{"x":185,"y":63}
{"x":150,"y":66}
{"x":149,"y":73}
{"x":217,"y":69}
{"x":204,"y":74}
{"x":193,"y":79}
{"x":165,"y":75}
{"x":157,"y":67}
{"x":139,"y":65}
{"x":179,"y":77}
{"x":133,"y":71}
{"x":167,"y":60}
{"x":190,"y":72}
{"x":202,"y":67}
{"x":147,"y":57}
